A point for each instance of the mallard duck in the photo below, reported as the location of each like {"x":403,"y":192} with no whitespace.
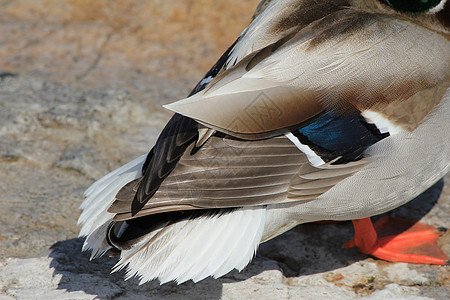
{"x":321,"y":110}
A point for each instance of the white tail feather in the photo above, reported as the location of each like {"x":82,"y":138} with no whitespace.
{"x":99,"y":197}
{"x":96,"y":242}
{"x":189,"y":249}
{"x":196,"y":248}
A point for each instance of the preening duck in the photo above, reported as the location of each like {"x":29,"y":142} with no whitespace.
{"x":321,"y":110}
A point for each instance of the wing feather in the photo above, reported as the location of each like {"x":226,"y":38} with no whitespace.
{"x":320,"y":67}
{"x":227,"y":172}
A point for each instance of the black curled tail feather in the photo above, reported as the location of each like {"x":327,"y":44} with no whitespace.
{"x":179,"y":133}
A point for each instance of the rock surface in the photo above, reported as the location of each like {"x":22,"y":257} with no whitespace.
{"x":81,"y":89}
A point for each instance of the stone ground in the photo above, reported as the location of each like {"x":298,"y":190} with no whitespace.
{"x":81,"y":89}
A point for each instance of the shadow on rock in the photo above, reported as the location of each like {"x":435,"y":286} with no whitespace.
{"x":95,"y":278}
{"x":298,"y":252}
{"x":305,"y":250}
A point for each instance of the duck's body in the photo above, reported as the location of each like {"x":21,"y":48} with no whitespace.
{"x":322,"y":110}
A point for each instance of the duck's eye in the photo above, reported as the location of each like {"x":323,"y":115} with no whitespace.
{"x":413,"y":6}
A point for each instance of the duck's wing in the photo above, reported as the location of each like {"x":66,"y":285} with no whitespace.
{"x":223,"y":173}
{"x":305,"y":85}
{"x":348,"y":62}
{"x":181,"y":131}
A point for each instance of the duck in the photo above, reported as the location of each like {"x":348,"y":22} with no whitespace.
{"x":320,"y":111}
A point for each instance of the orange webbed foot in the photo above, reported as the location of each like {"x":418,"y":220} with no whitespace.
{"x":398,"y":240}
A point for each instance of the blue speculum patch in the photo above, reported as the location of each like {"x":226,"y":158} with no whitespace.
{"x":333,"y":135}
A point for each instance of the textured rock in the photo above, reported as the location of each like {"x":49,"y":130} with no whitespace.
{"x":68,"y":274}
{"x":81,"y":89}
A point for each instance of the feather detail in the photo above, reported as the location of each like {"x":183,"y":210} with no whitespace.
{"x":312,"y":181}
{"x":203,"y":135}
{"x":224,"y":172}
{"x":383,"y":124}
{"x":336,"y":138}
{"x":313,"y":158}
{"x":99,"y":196}
{"x":196,"y":248}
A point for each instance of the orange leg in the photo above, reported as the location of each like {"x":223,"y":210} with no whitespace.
{"x":398,"y":240}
